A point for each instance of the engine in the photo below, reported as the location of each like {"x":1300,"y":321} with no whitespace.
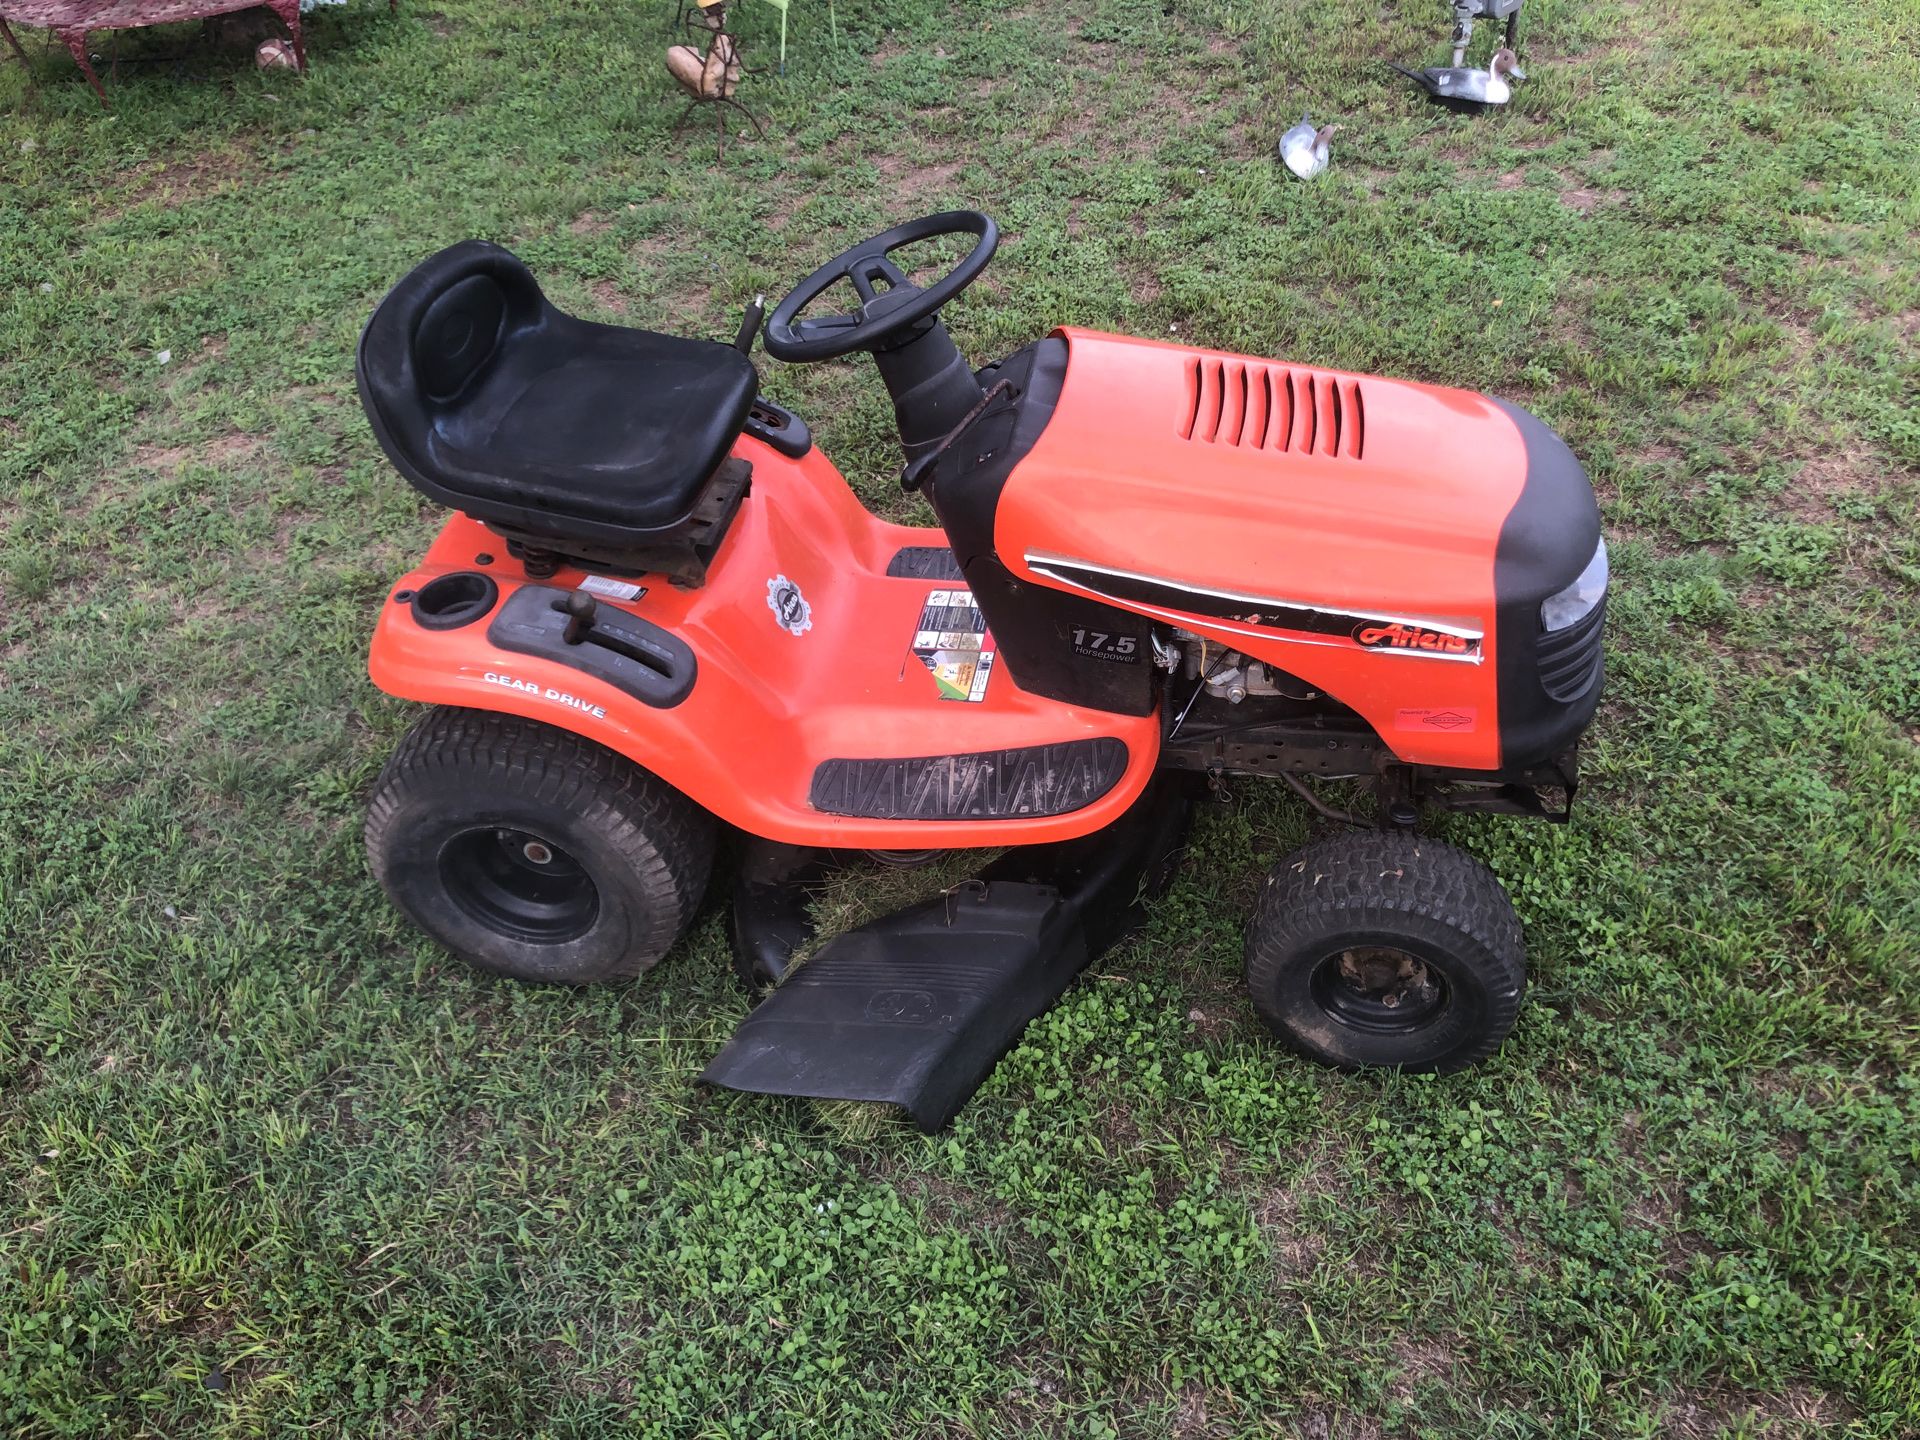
{"x":1226,"y":674}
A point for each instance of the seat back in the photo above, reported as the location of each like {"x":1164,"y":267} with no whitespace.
{"x":593,"y":441}
{"x":435,"y":337}
{"x":458,"y":334}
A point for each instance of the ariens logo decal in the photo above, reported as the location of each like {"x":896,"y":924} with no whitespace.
{"x":1400,"y":635}
{"x":789,"y":606}
{"x":1295,"y":621}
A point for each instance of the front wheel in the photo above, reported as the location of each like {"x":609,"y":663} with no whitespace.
{"x":1386,"y":949}
{"x":533,"y":853}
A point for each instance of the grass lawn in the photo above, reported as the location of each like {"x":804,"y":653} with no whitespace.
{"x":272,"y":1164}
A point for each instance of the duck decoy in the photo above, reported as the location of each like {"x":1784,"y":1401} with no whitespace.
{"x":1303,"y":149}
{"x":1459,"y":88}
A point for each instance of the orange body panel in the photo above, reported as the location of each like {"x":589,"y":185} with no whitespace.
{"x":767,"y":706}
{"x":1280,"y":485}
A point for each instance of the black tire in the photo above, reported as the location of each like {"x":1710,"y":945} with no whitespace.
{"x":1386,"y":949}
{"x":531,"y":852}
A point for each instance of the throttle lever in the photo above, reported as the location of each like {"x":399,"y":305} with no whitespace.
{"x":750,"y":325}
{"x":915,"y":473}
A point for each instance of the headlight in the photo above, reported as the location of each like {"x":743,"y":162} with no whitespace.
{"x":1576,"y":602}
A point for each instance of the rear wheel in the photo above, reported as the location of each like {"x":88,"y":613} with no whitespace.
{"x":1386,"y":949}
{"x":531,"y":852}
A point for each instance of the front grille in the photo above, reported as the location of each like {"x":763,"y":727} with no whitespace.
{"x":1273,"y":407}
{"x":1569,"y":659}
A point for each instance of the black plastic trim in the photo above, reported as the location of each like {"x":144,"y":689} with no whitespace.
{"x":915,"y":1008}
{"x":449,"y":601}
{"x":779,"y":427}
{"x":1571,"y":658}
{"x":1547,"y":540}
{"x":925,"y":562}
{"x":654,"y":666}
{"x":682,"y":555}
{"x":1029,"y":782}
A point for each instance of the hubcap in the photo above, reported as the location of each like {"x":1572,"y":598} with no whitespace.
{"x":1380,"y":989}
{"x":519,"y":884}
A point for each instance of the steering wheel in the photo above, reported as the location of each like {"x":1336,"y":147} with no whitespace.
{"x":883,"y":314}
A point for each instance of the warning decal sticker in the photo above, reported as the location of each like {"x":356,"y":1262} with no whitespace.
{"x":612,"y":589}
{"x":951,"y":639}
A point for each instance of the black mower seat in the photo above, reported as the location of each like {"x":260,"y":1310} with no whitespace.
{"x":490,"y":400}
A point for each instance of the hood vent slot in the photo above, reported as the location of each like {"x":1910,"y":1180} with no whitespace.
{"x":1273,"y":407}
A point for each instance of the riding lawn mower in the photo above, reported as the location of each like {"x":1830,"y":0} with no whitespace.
{"x":660,"y":623}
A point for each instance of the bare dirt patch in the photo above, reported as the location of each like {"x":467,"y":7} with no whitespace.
{"x":1659,"y":453}
{"x":424,"y":1415}
{"x":1654,"y":1210}
{"x":647,"y":253}
{"x":946,"y":1203}
{"x":1797,"y":1410}
{"x":683,"y":303}
{"x":788,"y":201}
{"x":185,"y":181}
{"x":1278,"y":1209}
{"x":1333,"y":1423}
{"x":221,"y":451}
{"x":1190,"y":1418}
{"x":1422,"y":1358}
{"x":1585,"y":201}
{"x":607,"y":296}
{"x":911,"y":181}
{"x":1811,"y":494}
{"x":1214,"y":1022}
{"x":1374,"y":179}
{"x":589,"y":223}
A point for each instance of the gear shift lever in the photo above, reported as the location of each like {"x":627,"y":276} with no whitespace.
{"x":580,"y":608}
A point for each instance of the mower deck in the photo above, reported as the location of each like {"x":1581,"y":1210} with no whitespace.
{"x":915,"y":1008}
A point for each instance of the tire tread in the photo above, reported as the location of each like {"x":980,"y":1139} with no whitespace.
{"x":668,"y":840}
{"x":1355,"y":880}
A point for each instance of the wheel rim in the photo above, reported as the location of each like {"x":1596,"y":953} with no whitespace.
{"x":1380,"y":989}
{"x":520,"y":884}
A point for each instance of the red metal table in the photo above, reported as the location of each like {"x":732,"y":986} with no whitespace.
{"x":74,"y":20}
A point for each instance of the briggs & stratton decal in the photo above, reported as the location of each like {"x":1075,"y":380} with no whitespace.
{"x":951,"y":640}
{"x":1449,"y":718}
